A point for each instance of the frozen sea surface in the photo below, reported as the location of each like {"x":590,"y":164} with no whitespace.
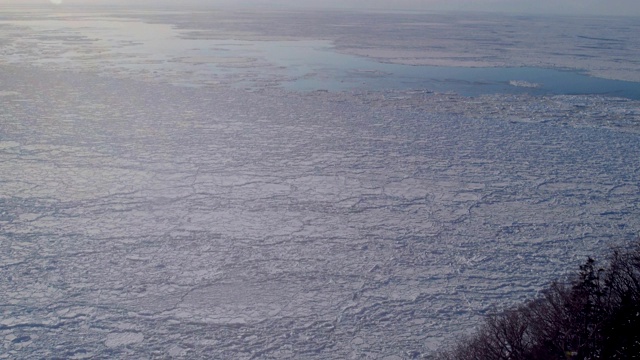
{"x":158,"y":220}
{"x":249,"y":50}
{"x":143,"y":219}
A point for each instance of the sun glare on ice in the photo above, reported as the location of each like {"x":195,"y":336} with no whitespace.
{"x":56,"y":2}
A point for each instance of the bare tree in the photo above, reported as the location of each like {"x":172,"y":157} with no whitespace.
{"x":596,"y":316}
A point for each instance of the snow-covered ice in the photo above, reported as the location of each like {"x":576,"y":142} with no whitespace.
{"x":143,"y":219}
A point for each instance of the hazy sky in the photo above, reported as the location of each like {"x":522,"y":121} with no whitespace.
{"x":623,"y":7}
{"x":604,"y":7}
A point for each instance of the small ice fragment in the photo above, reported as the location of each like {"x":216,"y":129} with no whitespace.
{"x":522,"y":83}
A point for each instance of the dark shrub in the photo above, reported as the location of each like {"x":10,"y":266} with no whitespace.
{"x":596,"y":316}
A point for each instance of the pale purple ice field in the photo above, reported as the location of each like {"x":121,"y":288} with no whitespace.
{"x":159,"y":201}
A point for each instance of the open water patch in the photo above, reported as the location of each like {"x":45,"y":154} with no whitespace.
{"x":311,"y":65}
{"x":331,"y":70}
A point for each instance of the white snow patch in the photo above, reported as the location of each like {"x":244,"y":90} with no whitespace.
{"x":121,"y":339}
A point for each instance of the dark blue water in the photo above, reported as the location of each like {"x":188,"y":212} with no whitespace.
{"x":477,"y":81}
{"x":314,"y":65}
